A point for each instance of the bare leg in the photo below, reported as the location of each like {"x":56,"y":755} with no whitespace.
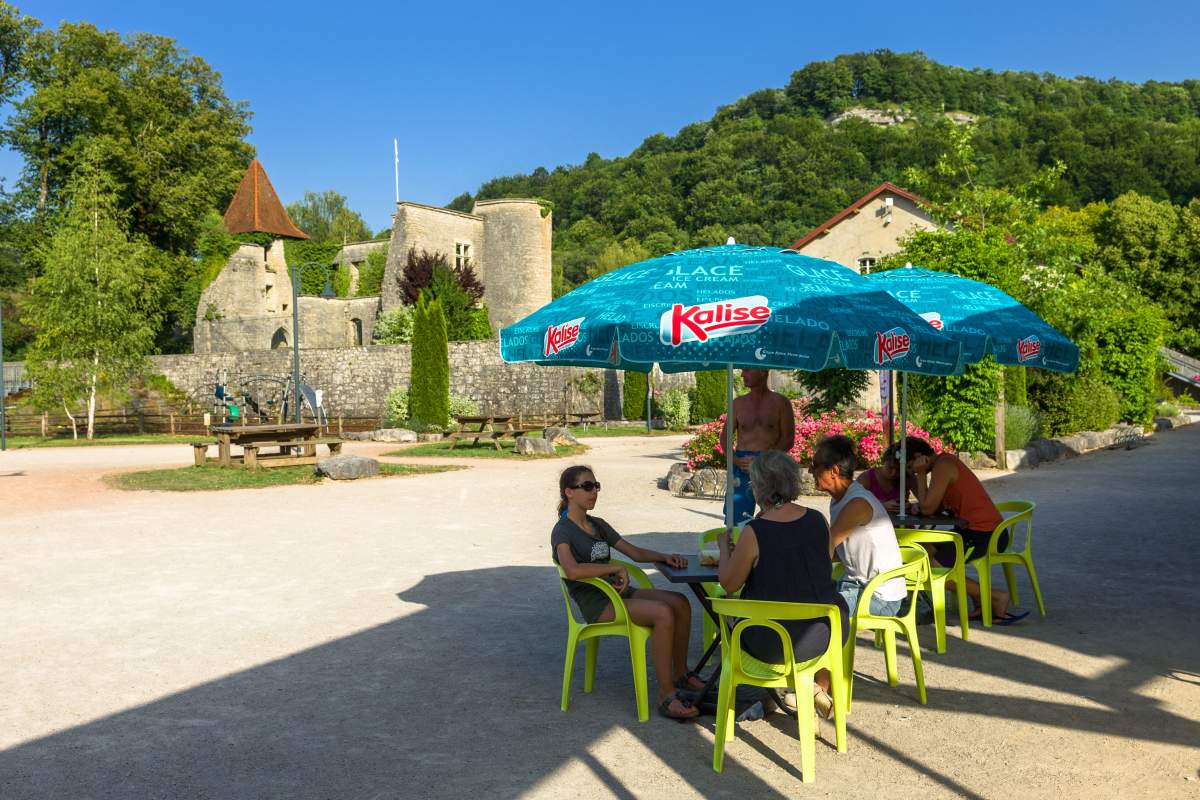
{"x":659,"y":617}
{"x":681,"y":611}
{"x":999,"y":598}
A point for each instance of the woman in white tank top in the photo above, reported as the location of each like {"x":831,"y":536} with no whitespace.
{"x":861,"y":533}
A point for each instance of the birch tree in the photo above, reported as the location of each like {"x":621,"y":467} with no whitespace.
{"x":93,"y":305}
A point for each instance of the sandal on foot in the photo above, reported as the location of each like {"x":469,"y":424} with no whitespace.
{"x":1008,"y":618}
{"x":823,"y":704}
{"x":685,"y":682}
{"x":664,"y":708}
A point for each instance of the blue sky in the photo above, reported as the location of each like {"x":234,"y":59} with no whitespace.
{"x":475,"y":90}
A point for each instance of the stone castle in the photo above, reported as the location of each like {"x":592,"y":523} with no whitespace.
{"x":248,"y":305}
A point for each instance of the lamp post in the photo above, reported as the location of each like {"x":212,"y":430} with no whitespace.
{"x":326,"y":293}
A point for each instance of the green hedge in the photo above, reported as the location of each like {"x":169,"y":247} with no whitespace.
{"x":708,"y":401}
{"x":633,"y":404}
{"x":961,"y":409}
{"x":1070,"y":404}
{"x":1015,"y":388}
{"x":1127,"y":348}
{"x":430,"y":386}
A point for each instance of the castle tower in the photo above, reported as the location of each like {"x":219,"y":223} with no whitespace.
{"x":516,"y":258}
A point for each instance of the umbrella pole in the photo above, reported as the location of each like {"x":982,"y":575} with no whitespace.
{"x":903,"y":444}
{"x":649,"y":396}
{"x":729,"y":445}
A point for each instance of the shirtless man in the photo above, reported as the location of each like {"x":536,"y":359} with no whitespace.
{"x":762,"y":420}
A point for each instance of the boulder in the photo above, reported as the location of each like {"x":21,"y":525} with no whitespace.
{"x":393,"y":435}
{"x":677,"y":478}
{"x":347,"y":467}
{"x":979,"y":460}
{"x":808,"y":486}
{"x":1048,"y":449}
{"x":559,"y":436}
{"x":531,"y":445}
{"x":357,"y":436}
{"x":429,"y":437}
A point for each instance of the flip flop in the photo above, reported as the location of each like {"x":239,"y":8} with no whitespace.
{"x":664,"y":708}
{"x":1009,"y":618}
{"x":683,"y":682}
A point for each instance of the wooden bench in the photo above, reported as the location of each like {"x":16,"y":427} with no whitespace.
{"x":251,"y":460}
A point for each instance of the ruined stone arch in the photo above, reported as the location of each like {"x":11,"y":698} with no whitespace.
{"x":279,"y":339}
{"x":356,"y":332}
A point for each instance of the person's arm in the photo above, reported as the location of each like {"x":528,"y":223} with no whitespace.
{"x":735,"y":568}
{"x":856,"y":514}
{"x":644,"y":555}
{"x":576,"y":571}
{"x":929,"y":497}
{"x":787,"y":426}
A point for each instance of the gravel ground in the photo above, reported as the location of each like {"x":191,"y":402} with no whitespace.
{"x":403,"y":638}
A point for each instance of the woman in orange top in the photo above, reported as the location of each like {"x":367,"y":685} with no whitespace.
{"x":945,"y":482}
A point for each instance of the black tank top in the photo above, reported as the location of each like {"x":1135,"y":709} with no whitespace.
{"x":793,"y":566}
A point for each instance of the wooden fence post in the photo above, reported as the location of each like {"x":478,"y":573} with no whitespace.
{"x":45,"y":423}
{"x":172,"y":423}
{"x":339,"y":424}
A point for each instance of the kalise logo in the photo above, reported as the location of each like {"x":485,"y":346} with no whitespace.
{"x":934,"y":318}
{"x":699,"y":323}
{"x":562,"y":336}
{"x":1028,"y":348}
{"x":891,"y":345}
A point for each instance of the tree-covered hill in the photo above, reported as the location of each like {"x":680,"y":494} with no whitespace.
{"x":769,"y":167}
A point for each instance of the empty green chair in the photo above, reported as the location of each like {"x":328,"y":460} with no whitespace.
{"x":712,"y":589}
{"x":915,"y":572}
{"x":1022,"y":518}
{"x":937,"y":580}
{"x":739,"y":667}
{"x":590,"y":633}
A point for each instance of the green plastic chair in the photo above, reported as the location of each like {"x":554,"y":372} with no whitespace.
{"x":712,"y":589}
{"x":938,"y":575}
{"x":1022,"y":511}
{"x":915,"y":572}
{"x":590,"y":633}
{"x":739,"y":667}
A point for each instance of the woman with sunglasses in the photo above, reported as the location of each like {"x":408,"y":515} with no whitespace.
{"x":581,"y":545}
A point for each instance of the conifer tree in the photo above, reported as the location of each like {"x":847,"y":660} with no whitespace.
{"x":710,"y":400}
{"x":430,"y":386}
{"x":633,"y":405}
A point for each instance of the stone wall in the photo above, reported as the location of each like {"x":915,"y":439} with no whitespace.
{"x":356,"y":380}
{"x":236,"y":310}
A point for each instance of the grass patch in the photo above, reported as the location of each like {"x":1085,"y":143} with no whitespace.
{"x":623,"y":430}
{"x":482,"y":450}
{"x":20,"y":442}
{"x":212,"y":478}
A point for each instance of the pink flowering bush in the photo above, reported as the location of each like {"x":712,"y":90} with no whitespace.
{"x":865,"y":428}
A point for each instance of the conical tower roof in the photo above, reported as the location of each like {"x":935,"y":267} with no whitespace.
{"x":255,"y":208}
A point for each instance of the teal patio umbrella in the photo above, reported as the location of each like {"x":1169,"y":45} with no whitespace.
{"x":984,"y":319}
{"x":733,"y":305}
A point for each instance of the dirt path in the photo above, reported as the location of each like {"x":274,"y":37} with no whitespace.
{"x":403,"y":638}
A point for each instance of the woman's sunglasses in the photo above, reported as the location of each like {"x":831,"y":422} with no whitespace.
{"x":588,"y":486}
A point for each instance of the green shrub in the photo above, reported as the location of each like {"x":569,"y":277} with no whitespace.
{"x":394,"y":326}
{"x":633,"y":404}
{"x":396,"y":407}
{"x":1070,"y":405}
{"x":463,"y":407}
{"x":429,"y":401}
{"x":1166,"y":409}
{"x":1021,"y":424}
{"x":831,"y":389}
{"x":1128,"y":352}
{"x":709,"y":399}
{"x":1015,"y":391}
{"x":960,"y":408}
{"x":675,"y":406}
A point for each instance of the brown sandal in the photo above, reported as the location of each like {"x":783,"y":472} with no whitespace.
{"x":664,"y":708}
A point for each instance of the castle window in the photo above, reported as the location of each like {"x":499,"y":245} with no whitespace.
{"x":462,"y":253}
{"x":279,"y":339}
{"x":865,"y":265}
{"x":356,"y":333}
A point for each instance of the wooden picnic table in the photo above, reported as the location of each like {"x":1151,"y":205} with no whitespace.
{"x":584,"y":418}
{"x":487,"y":429}
{"x":252,"y":438}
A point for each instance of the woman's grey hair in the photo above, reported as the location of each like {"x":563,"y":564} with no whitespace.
{"x":774,"y":478}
